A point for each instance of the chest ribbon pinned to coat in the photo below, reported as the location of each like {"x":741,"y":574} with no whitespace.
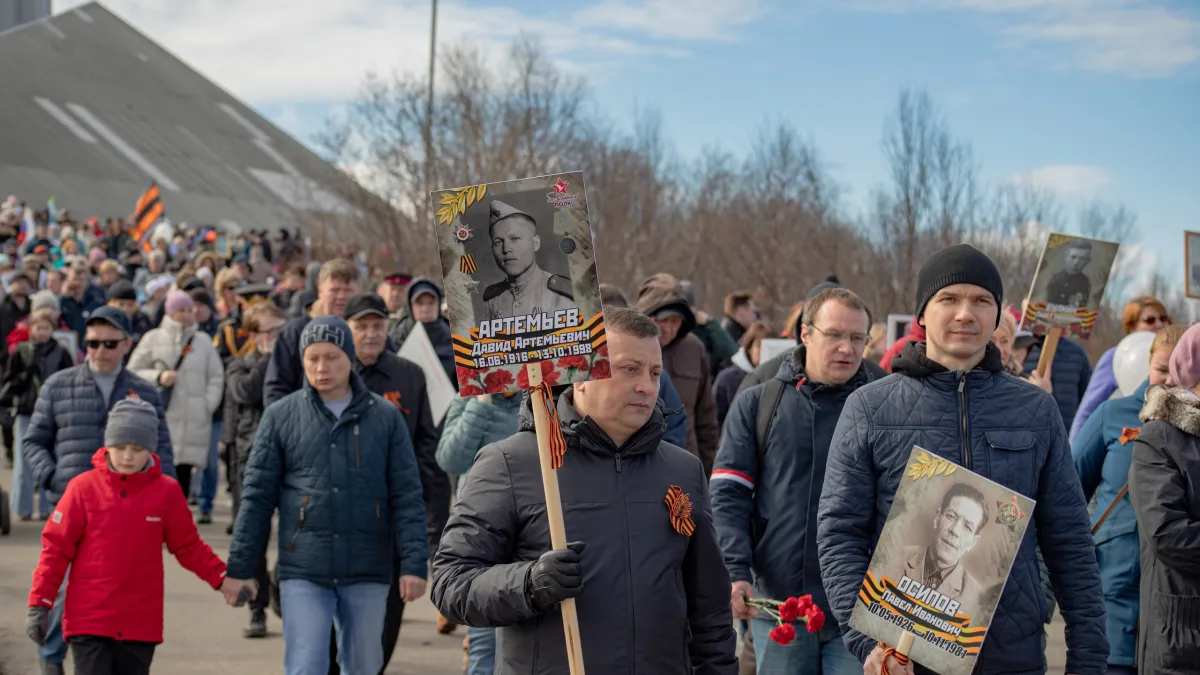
{"x":679,"y":506}
{"x":558,"y":444}
{"x":393,"y":397}
{"x":1128,"y":435}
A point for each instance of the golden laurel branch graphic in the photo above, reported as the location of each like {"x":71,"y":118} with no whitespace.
{"x":928,"y":466}
{"x":455,"y":203}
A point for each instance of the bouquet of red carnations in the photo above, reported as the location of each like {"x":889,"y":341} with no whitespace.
{"x":788,"y":612}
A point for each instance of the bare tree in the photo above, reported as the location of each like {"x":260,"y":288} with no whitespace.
{"x":932,"y":200}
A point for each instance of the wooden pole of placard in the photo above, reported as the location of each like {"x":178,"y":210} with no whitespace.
{"x":903,"y":647}
{"x":1049,"y":348}
{"x":554,"y":514}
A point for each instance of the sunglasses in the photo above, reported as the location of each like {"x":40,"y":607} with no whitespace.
{"x":107,"y":344}
{"x":1155,"y":320}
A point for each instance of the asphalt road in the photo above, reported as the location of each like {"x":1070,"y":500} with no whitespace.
{"x":203,"y":636}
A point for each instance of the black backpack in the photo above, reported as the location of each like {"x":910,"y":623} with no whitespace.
{"x":772,"y":394}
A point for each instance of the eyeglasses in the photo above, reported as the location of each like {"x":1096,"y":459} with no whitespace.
{"x":107,"y":344}
{"x":857,"y":340}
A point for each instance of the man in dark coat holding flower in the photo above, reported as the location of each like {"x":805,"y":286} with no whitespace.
{"x":651,"y":587}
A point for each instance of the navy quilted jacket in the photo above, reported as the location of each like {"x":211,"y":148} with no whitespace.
{"x":67,"y":426}
{"x":348,"y":492}
{"x":1070,"y":373}
{"x":1015,"y":437}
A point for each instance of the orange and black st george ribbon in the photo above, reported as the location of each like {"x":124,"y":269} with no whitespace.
{"x":149,"y":210}
{"x":927,"y":621}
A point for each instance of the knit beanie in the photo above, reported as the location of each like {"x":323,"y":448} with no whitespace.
{"x":44,"y":299}
{"x":330,"y":329}
{"x":961,"y":264}
{"x":1185,"y":359}
{"x":132,"y":421}
{"x":177,"y":300}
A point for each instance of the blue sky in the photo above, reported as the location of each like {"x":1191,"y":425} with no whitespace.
{"x":1091,"y":98}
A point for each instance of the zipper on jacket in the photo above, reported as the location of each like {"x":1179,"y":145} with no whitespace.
{"x":299,"y":526}
{"x":628,"y":567}
{"x":358,"y":459}
{"x":962,"y":407}
{"x":617,"y":458}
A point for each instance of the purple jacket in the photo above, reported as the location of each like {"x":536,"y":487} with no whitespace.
{"x":1099,"y":390}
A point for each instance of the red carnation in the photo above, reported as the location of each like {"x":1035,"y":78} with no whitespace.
{"x":497,"y":381}
{"x":789,"y":610}
{"x":601,"y":370}
{"x":471,"y":390}
{"x":783,"y":633}
{"x":804,"y":605}
{"x":464,"y":375}
{"x":549,"y":375}
{"x":577,"y":362}
{"x":815,"y":619}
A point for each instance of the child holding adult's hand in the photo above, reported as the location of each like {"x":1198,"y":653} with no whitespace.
{"x":109,"y":528}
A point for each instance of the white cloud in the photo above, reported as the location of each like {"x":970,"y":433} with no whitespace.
{"x":1138,"y":38}
{"x":286,"y":51}
{"x":1066,"y":179}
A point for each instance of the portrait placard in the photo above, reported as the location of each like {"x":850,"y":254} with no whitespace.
{"x":521,"y":284}
{"x":1068,"y":285}
{"x":1191,"y":264}
{"x":941,"y":563}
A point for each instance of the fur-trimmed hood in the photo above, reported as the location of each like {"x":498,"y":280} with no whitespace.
{"x":1178,"y":407}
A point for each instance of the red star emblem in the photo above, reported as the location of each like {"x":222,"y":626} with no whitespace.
{"x":561,"y":187}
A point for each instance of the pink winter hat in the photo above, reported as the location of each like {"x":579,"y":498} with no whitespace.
{"x":177,"y":300}
{"x":1185,"y":359}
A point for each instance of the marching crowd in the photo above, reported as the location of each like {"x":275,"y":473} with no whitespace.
{"x":697,"y":479}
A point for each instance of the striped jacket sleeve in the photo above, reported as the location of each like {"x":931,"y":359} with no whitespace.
{"x":734,"y":475}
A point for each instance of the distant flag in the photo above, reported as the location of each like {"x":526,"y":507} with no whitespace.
{"x":26,"y":226}
{"x":52,"y":210}
{"x":146,"y":214}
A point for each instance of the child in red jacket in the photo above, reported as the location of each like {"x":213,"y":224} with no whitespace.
{"x":109,"y":527}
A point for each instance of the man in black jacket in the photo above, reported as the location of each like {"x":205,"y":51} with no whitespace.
{"x":336,"y":282}
{"x":651,"y":588}
{"x":402,"y":383}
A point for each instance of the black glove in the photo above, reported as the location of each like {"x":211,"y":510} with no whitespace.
{"x":37,"y":624}
{"x":555,"y":577}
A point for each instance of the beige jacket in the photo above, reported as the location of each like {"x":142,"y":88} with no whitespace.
{"x":198,"y":386}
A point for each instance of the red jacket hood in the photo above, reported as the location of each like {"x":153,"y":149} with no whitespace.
{"x":100,"y":463}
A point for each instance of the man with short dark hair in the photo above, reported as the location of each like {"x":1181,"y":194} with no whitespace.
{"x":626,"y":495}
{"x":336,"y":282}
{"x":765,"y":498}
{"x":950,"y":394}
{"x":67,"y":427}
{"x":740,"y":312}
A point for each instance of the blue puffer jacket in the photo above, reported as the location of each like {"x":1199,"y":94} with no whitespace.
{"x":1069,"y":374}
{"x":766,"y":516}
{"x":348,"y":492}
{"x":471,"y":424}
{"x":1016,"y":438}
{"x":67,"y":426}
{"x":1102,"y":460}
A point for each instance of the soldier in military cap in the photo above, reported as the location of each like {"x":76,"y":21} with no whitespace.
{"x":393,"y":288}
{"x":232,"y":341}
{"x":1070,"y":286}
{"x":528,"y":288}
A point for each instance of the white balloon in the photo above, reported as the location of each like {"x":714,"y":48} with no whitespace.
{"x":1131,"y":361}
